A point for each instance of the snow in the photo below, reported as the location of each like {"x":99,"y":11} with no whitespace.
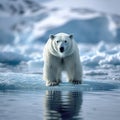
{"x":101,"y":55}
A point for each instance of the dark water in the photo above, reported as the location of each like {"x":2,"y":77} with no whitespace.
{"x":63,"y":105}
{"x":59,"y":105}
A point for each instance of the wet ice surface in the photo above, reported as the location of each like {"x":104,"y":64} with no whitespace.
{"x":25,"y":96}
{"x":22,"y":81}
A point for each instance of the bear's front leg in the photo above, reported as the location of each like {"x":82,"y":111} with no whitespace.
{"x":49,"y":74}
{"x":51,"y":83}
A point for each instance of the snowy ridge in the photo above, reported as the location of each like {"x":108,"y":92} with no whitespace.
{"x":19,"y":7}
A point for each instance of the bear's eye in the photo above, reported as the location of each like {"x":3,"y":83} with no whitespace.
{"x":57,"y":41}
{"x":65,"y":41}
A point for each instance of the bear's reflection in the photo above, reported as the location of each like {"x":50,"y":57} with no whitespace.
{"x":63,"y":105}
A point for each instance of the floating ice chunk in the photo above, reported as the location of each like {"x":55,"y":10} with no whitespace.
{"x":35,"y":65}
{"x":91,"y":60}
{"x":112,"y":59}
{"x":12,"y":58}
{"x":95,"y":72}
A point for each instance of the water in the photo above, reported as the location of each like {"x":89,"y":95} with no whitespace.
{"x":25,"y":97}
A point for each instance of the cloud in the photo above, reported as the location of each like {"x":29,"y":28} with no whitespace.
{"x":6,"y":38}
{"x":12,"y":58}
{"x":108,"y":6}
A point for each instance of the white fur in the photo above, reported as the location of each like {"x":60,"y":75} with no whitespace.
{"x":55,"y":61}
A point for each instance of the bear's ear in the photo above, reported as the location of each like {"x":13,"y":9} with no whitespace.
{"x":52,"y":36}
{"x":71,"y":36}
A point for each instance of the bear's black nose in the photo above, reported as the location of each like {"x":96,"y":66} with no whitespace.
{"x":61,"y":49}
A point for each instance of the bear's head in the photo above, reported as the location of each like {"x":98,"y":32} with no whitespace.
{"x":62,"y":44}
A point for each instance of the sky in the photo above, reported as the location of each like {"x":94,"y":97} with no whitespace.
{"x":108,"y":6}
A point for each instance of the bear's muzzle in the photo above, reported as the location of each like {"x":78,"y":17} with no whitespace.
{"x":61,"y":49}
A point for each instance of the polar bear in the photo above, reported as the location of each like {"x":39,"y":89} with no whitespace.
{"x":61,"y":54}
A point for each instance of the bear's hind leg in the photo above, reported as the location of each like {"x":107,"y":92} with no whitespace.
{"x":76,"y":81}
{"x":58,"y":76}
{"x":74,"y":76}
